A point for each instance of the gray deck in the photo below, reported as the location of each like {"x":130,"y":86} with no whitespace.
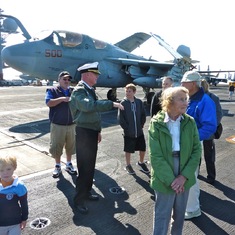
{"x":24,"y":132}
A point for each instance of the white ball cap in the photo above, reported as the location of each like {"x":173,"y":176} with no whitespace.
{"x":191,"y":76}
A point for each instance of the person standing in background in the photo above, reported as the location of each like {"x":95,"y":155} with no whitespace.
{"x":231,"y":91}
{"x":132,"y":120}
{"x":155,"y":106}
{"x":209,"y":144}
{"x":202,"y":108}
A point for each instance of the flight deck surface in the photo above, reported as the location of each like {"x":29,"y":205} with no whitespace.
{"x":24,"y":132}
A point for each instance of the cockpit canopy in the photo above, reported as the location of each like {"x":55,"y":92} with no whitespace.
{"x":66,"y":38}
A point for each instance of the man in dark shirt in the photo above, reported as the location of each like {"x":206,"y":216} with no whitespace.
{"x":62,"y":127}
{"x":155,"y":103}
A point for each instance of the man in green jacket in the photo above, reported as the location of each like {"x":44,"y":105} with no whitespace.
{"x":85,"y":109}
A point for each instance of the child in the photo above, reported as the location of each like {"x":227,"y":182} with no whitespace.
{"x":13,"y":198}
{"x":132,"y":120}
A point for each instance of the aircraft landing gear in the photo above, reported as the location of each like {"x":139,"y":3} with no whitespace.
{"x":149,"y":97}
{"x":112,"y":94}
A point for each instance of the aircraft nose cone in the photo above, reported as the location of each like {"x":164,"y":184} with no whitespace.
{"x":5,"y":54}
{"x":18,"y":57}
{"x":9,"y":56}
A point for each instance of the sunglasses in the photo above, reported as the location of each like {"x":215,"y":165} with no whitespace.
{"x":67,"y":79}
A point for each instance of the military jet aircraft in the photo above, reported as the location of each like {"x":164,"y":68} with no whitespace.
{"x":51,"y":52}
{"x":212,"y":78}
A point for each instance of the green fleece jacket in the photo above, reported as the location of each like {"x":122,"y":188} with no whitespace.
{"x":160,"y":152}
{"x":85,"y":107}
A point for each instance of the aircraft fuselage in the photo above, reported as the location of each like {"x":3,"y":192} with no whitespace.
{"x":45,"y":58}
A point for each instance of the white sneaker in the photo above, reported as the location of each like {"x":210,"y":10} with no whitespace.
{"x":57,"y":171}
{"x":194,"y":214}
{"x":70,"y":169}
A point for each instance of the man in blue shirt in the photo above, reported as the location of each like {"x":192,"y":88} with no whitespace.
{"x":62,"y":126}
{"x":202,"y":108}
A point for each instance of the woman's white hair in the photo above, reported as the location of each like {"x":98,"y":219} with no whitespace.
{"x":168,"y":95}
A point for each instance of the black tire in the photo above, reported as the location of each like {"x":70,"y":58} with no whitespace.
{"x":111,"y":96}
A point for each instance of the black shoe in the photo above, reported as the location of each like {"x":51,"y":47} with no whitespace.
{"x":93,"y":197}
{"x":143,"y":167}
{"x":210,"y":181}
{"x":81,"y":208}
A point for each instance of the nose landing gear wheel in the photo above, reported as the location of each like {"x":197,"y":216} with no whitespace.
{"x":112,"y":94}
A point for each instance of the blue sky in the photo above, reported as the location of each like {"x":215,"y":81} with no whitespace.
{"x":205,"y":26}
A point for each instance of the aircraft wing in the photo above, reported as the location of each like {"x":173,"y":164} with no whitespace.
{"x":131,"y":43}
{"x":152,"y":67}
{"x":161,"y":42}
{"x":145,"y":73}
{"x":215,"y":71}
{"x":182,"y":53}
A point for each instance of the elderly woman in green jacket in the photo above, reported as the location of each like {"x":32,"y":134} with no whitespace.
{"x":175,"y":152}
